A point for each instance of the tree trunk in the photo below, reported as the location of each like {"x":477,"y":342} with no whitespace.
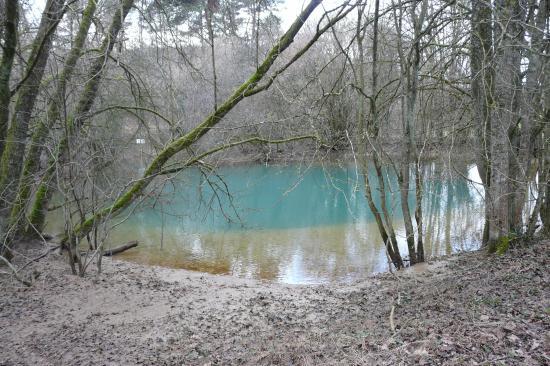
{"x":545,"y":199}
{"x":368,"y":134}
{"x":504,"y":118}
{"x":11,"y":20}
{"x":43,"y":194}
{"x":410,"y":66}
{"x":210,"y":7}
{"x":482,"y":93}
{"x":16,"y":139}
{"x":36,"y":145}
{"x":532,"y":150}
{"x":14,"y":149}
{"x":545,"y":147}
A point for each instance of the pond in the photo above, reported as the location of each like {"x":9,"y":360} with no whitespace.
{"x":292,"y":224}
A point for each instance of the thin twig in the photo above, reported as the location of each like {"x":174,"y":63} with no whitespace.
{"x":14,"y":270}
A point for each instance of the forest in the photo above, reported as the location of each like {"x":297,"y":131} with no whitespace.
{"x":359,"y":154}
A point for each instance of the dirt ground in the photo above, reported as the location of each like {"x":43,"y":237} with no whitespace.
{"x":468,"y":309}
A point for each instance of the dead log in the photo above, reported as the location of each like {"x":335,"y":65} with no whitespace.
{"x":120,"y":249}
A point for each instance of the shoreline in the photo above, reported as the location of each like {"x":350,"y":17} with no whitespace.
{"x":463,"y":309}
{"x":336,"y":157}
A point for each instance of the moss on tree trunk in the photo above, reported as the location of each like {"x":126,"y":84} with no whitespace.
{"x":14,"y":148}
{"x":86,"y":100}
{"x":36,"y":144}
{"x":11,"y":15}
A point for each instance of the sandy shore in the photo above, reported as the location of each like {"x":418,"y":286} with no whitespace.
{"x":467,"y":309}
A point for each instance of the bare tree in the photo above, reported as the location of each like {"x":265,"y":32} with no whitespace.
{"x":509,"y":111}
{"x":27,"y":91}
{"x":44,"y":125}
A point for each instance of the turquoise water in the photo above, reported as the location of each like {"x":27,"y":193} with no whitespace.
{"x":292,"y":224}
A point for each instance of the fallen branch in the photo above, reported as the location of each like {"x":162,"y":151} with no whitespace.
{"x":14,"y":270}
{"x":392,"y":324}
{"x":51,"y":249}
{"x":120,"y":249}
{"x":392,"y":312}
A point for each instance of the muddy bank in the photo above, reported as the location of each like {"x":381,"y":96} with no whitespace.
{"x":462,"y":310}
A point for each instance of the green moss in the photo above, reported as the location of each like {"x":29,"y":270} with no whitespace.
{"x":36,"y":215}
{"x":501,"y":245}
{"x":5,"y":166}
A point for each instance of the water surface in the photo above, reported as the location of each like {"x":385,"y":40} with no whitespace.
{"x":292,"y":224}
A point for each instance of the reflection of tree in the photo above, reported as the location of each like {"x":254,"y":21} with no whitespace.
{"x":432,"y":200}
{"x":452,"y":210}
{"x":451,"y":192}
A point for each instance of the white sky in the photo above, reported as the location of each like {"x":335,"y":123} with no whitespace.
{"x":288,"y":10}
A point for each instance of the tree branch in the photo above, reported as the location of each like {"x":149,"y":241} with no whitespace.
{"x":198,"y":158}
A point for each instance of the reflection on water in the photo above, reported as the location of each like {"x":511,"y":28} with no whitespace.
{"x":292,"y":224}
